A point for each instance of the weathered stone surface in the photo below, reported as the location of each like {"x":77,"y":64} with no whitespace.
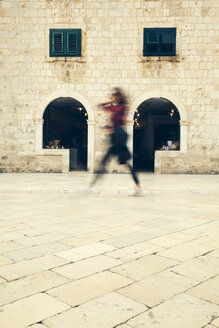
{"x":2,"y":280}
{"x":147,"y":291}
{"x":200,"y":268}
{"x":210,"y":241}
{"x":83,"y":252}
{"x":133,"y":252}
{"x":215,"y":322}
{"x":186,"y":251}
{"x":86,"y":239}
{"x":37,"y":206}
{"x":144,"y":267}
{"x":114,"y":308}
{"x":87,"y":267}
{"x":24,"y":268}
{"x":207,"y":290}
{"x":184,"y":311}
{"x":85,"y":289}
{"x":30,"y":310}
{"x":4,"y":261}
{"x":21,"y":288}
{"x":36,"y":251}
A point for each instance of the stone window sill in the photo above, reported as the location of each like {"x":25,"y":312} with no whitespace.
{"x":65,"y":59}
{"x":144,"y":59}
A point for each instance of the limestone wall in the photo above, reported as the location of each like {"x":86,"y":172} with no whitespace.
{"x":111,"y":56}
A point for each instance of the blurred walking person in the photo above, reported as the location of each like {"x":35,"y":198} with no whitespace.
{"x":117,"y":107}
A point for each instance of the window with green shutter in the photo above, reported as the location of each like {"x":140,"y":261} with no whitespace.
{"x":65,"y":42}
{"x":159,"y":42}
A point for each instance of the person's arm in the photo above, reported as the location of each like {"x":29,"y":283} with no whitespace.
{"x":105,"y":103}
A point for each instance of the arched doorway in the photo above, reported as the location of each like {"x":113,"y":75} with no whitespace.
{"x":65,"y":127}
{"x":156,"y":124}
{"x":64,"y":153}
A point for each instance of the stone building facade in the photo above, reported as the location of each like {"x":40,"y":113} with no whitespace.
{"x":111,"y":55}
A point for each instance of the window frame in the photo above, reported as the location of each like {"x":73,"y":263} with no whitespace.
{"x":65,"y":45}
{"x":159,"y":52}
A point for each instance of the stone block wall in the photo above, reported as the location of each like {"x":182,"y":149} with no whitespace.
{"x":111,"y":56}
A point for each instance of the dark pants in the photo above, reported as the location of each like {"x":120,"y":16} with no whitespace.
{"x":119,"y":149}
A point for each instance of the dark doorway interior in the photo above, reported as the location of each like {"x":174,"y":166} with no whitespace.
{"x":65,"y":126}
{"x":156,"y":122}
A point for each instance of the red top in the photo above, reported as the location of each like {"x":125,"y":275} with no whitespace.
{"x":118,"y":113}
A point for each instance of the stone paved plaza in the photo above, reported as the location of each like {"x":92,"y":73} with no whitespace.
{"x":69,"y":260}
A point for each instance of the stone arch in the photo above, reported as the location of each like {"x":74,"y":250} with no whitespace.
{"x":158,"y":94}
{"x":64,"y":152}
{"x":183,"y":124}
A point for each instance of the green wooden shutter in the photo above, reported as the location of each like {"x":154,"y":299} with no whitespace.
{"x":74,"y":43}
{"x":56,"y":43}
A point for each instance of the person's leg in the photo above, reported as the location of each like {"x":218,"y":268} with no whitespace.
{"x":138,"y":190}
{"x":134,"y":175}
{"x":101,"y":168}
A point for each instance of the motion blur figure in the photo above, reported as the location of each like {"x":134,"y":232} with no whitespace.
{"x":117,"y":107}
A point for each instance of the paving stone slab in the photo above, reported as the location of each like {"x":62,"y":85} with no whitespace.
{"x":200,"y":268}
{"x":127,"y":239}
{"x":203,"y":230}
{"x":78,"y":230}
{"x":144,"y":267}
{"x":33,"y":284}
{"x":133,"y":252}
{"x":185,"y":251}
{"x":11,"y":228}
{"x":42,"y":239}
{"x":171,"y":240}
{"x":184,"y":311}
{"x":85,"y":289}
{"x":40,"y":231}
{"x":208,"y":290}
{"x":86,"y":251}
{"x":121,"y":230}
{"x":36,"y":251}
{"x":104,"y":312}
{"x":212,"y":241}
{"x":215,"y":322}
{"x":4,"y":261}
{"x":30,"y":310}
{"x":164,"y":230}
{"x":2,"y":280}
{"x":25,"y":268}
{"x":87,"y":267}
{"x":86,"y":239}
{"x":158,"y":288}
{"x":214,"y":253}
{"x":153,"y":220}
{"x":10,"y":236}
{"x":9,"y":246}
